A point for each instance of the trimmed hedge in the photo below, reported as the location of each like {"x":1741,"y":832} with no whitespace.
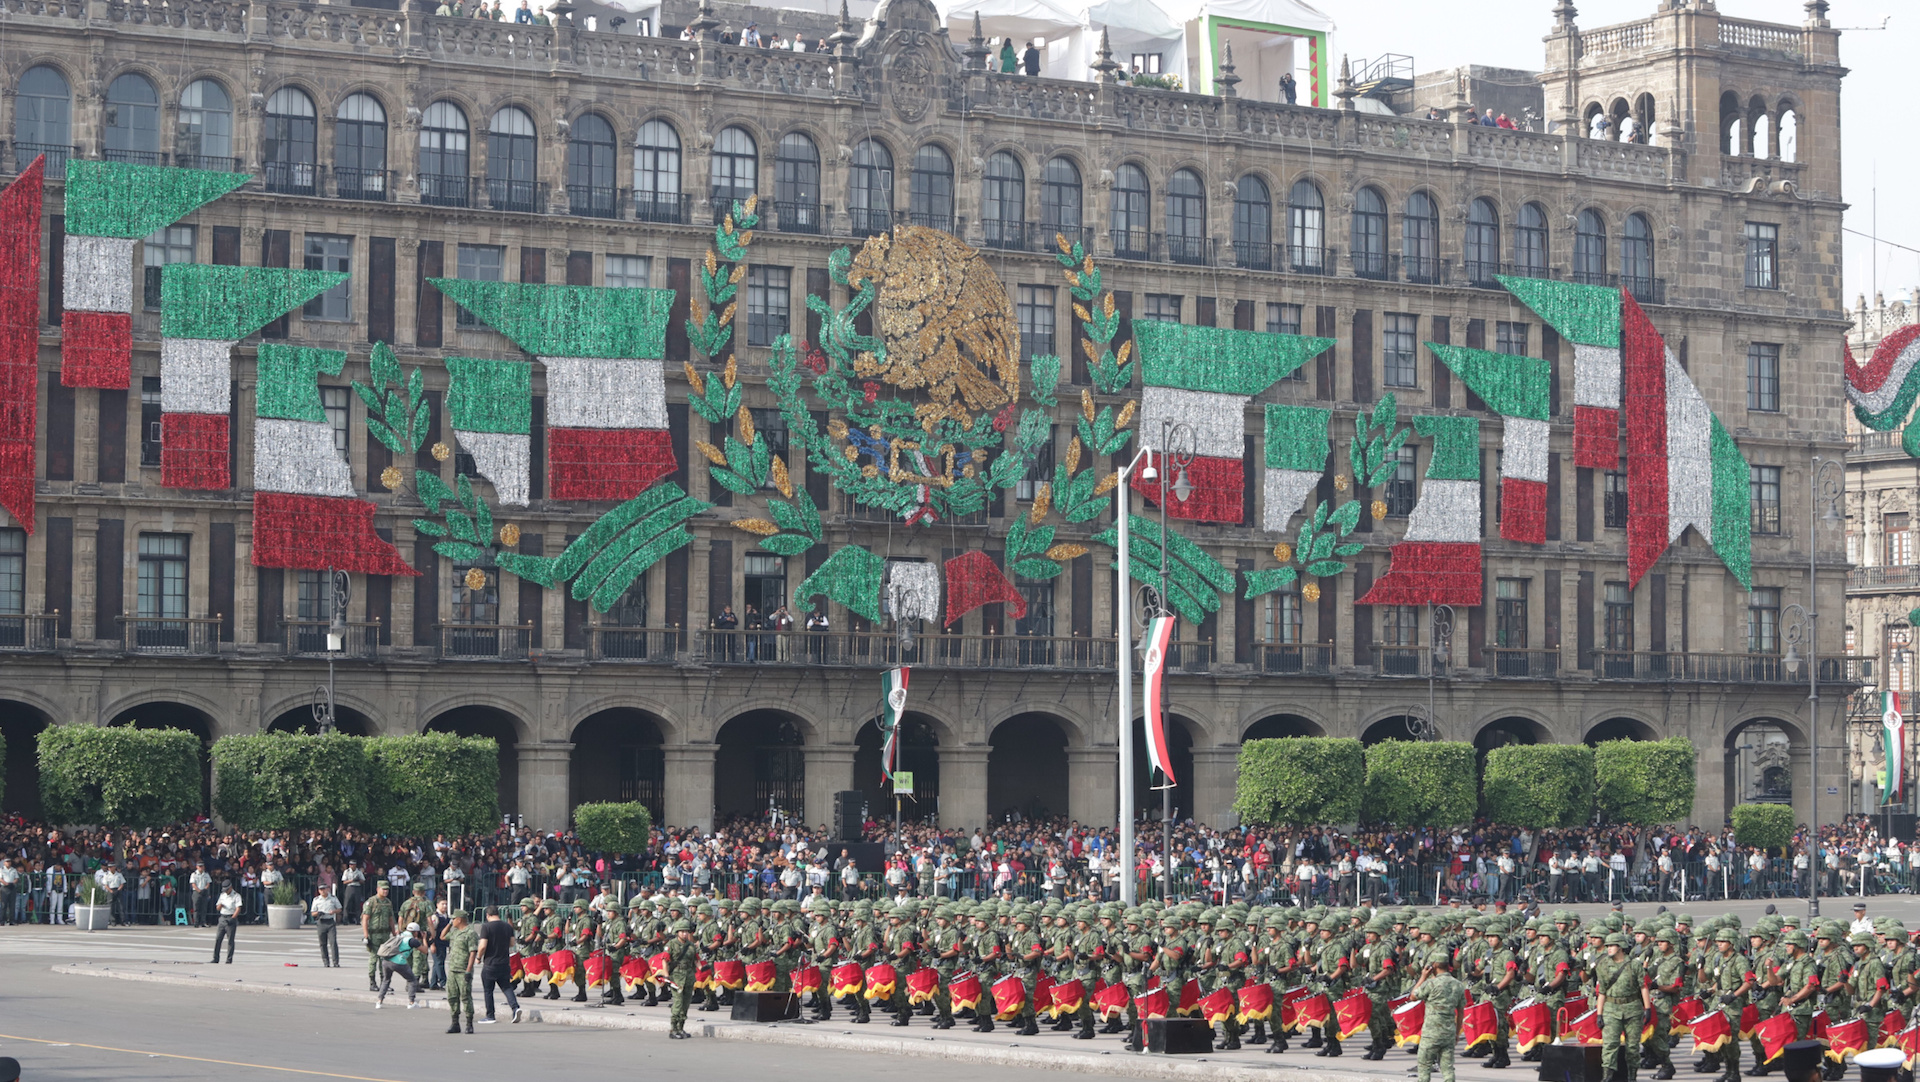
{"x":1301,"y":781}
{"x":1644,"y":782}
{"x":119,"y":777}
{"x":1421,"y":784}
{"x":620,"y":829}
{"x":290,"y":781}
{"x":1538,"y":785}
{"x":434,"y":783}
{"x":1769,"y":826}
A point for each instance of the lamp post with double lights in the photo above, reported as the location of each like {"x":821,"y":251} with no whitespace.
{"x":339,"y":589}
{"x":1802,"y":629}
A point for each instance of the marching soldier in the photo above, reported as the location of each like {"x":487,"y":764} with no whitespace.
{"x":1024,"y":954}
{"x":581,"y":934}
{"x":1729,"y":976}
{"x":946,"y":947}
{"x":615,"y":939}
{"x":1499,"y":976}
{"x":553,"y":937}
{"x":683,"y":958}
{"x":1620,"y":986}
{"x":902,"y":949}
{"x":988,"y":952}
{"x":1668,"y":979}
{"x":824,"y":941}
{"x":526,"y":935}
{"x":1333,"y":965}
{"x":1445,"y":997}
{"x":1380,"y":979}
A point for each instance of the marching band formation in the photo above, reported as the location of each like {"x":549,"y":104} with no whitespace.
{"x":1508,"y":984}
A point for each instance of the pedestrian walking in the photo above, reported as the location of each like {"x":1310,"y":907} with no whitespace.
{"x":399,"y":955}
{"x":496,"y":942}
{"x":326,"y":910}
{"x":228,"y":907}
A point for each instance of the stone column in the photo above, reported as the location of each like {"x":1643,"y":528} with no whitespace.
{"x":829,"y":770}
{"x":1215,"y":770}
{"x":1709,"y":786}
{"x":545,"y":799}
{"x":1093,"y":783}
{"x":963,"y":786}
{"x":689,"y":796}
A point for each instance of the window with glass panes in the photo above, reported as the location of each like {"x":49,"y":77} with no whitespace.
{"x":167,"y":244}
{"x":1763,"y":255}
{"x":628,"y":271}
{"x":1400,"y":625}
{"x":1899,"y":538}
{"x":326,"y":252}
{"x":769,"y":303}
{"x":771,"y":425}
{"x":1283,"y":617}
{"x":1530,"y":242}
{"x":334,"y":401}
{"x":1033,"y":305}
{"x":1764,"y":487}
{"x":1763,"y":620}
{"x":1283,"y":318}
{"x":1039,"y":618}
{"x":1510,"y":338}
{"x":13,"y":572}
{"x":1763,"y":377}
{"x":150,"y":420}
{"x":1619,"y":617}
{"x":1037,"y":474}
{"x":313,"y":596}
{"x":163,"y":576}
{"x":1399,"y":346}
{"x":476,"y":606}
{"x":478,"y":263}
{"x":1613,"y":497}
{"x":1164,"y":307}
{"x":1401,"y":489}
{"x":1899,"y":657}
{"x":1510,"y":613}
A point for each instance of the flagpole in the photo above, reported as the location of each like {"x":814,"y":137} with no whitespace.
{"x":1123,"y":665}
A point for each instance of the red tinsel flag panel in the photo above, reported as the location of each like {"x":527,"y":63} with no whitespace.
{"x":19,"y":339}
{"x":193,"y":451}
{"x":318,"y":532}
{"x":607,"y":463}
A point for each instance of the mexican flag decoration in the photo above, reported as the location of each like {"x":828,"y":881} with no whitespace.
{"x":893,"y":706}
{"x":109,"y":206}
{"x":20,"y":339}
{"x":1297,"y":452}
{"x":1154,"y":673}
{"x":1589,"y":318}
{"x":1517,"y":388}
{"x":1893,"y":730}
{"x":491,"y":406}
{"x":1438,"y":562}
{"x":1204,"y":378}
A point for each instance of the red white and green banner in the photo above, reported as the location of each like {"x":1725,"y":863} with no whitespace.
{"x":893,"y":707}
{"x":1893,"y":734}
{"x":109,"y":206}
{"x":1154,"y":675}
{"x":1519,"y":390}
{"x":1297,"y":451}
{"x":1438,"y":562}
{"x":1589,"y":318}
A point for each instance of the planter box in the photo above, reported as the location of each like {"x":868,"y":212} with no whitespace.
{"x":92,"y":918}
{"x":285,"y":917}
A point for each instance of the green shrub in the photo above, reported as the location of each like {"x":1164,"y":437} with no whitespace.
{"x":1538,"y":785}
{"x":1644,"y":782}
{"x":91,"y":892}
{"x":290,"y":781}
{"x":1420,"y":784}
{"x":1769,"y":826}
{"x":284,"y":894}
{"x":1300,"y":781}
{"x":119,"y":777}
{"x":613,"y":828}
{"x":434,"y":783}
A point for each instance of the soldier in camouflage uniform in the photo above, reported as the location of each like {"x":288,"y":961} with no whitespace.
{"x":1376,"y":962}
{"x":1088,"y":946}
{"x":582,"y":933}
{"x":683,"y":960}
{"x":1332,"y":964}
{"x":462,"y":941}
{"x":1667,"y":976}
{"x":903,"y":950}
{"x":823,"y":941}
{"x":1620,"y":988}
{"x":1025,"y":952}
{"x":946,"y":947}
{"x":1499,"y":976}
{"x":616,"y":939}
{"x":526,"y":933}
{"x":1112,"y":956}
{"x":987,"y":950}
{"x":553,"y":937}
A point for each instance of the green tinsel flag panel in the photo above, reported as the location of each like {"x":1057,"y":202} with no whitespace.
{"x":1265,"y":582}
{"x":117,"y":199}
{"x":1219,"y":359}
{"x":852,"y":577}
{"x":1511,"y":386}
{"x":289,"y":388}
{"x":1297,"y":438}
{"x":1456,"y":446}
{"x":569,"y":321}
{"x":1195,"y":580}
{"x":490,"y":396}
{"x":226,"y":304}
{"x":1732,"y":505}
{"x":1589,"y":315}
{"x":621,"y":544}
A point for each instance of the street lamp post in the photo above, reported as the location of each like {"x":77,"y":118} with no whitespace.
{"x":1440,"y":643}
{"x":1176,"y":460}
{"x":1823,"y":487}
{"x":339,"y":586}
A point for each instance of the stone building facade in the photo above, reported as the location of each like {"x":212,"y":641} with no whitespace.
{"x":401,"y":146}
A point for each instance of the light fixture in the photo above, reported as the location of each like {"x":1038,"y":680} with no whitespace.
{"x":336,"y":634}
{"x":1792,"y":660}
{"x":1181,"y":487}
{"x":1147,"y":472}
{"x":1832,"y":514}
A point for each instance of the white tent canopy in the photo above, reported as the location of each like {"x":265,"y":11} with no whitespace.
{"x":1021,"y":20}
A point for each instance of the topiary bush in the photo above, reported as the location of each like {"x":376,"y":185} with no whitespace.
{"x":619,"y":829}
{"x":119,"y":777}
{"x":1538,"y":785}
{"x":1768,"y":826}
{"x":433,"y":783}
{"x":1644,"y":782}
{"x":1420,"y":784}
{"x":290,"y":781}
{"x":1300,"y":781}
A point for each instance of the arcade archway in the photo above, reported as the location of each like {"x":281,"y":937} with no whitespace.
{"x":760,"y":765}
{"x":618,"y":756}
{"x":1027,"y":768}
{"x":504,"y":729}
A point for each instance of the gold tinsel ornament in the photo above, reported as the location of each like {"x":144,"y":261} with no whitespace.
{"x":510,"y":535}
{"x":390,"y":477}
{"x":1378,"y":509}
{"x":1283,"y":552}
{"x":476,"y":579}
{"x":441,"y":452}
{"x":1311,"y":591}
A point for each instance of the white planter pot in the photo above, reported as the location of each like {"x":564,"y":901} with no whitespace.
{"x":286,"y":918}
{"x":92,"y":918}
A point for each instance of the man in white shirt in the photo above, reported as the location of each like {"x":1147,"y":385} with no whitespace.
{"x":9,"y":889}
{"x":850,"y":881}
{"x":326,"y":910}
{"x":228,"y":907}
{"x":200,"y":884}
{"x":111,"y":881}
{"x":1861,"y":925}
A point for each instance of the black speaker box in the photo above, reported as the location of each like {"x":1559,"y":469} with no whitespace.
{"x":1179,"y":1036}
{"x":847,"y":819}
{"x":765,"y":1006}
{"x":1569,"y":1063}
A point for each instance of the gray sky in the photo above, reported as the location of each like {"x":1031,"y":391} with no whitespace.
{"x":1443,"y":35}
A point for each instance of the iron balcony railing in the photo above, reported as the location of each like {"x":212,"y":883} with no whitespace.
{"x":1307,"y":259}
{"x":191,"y":636}
{"x":1512,"y":663}
{"x":1132,"y":244}
{"x":30,"y":633}
{"x":134,"y":157}
{"x":662,"y":208}
{"x":943,"y":222}
{"x":446,"y":190}
{"x":882,"y":649}
{"x":800,"y":217}
{"x":1186,"y":251}
{"x":291,"y":178}
{"x":524,"y":196}
{"x":1674,"y":667}
{"x":720,"y":201}
{"x":484,"y":642}
{"x":308,"y":638}
{"x":998,"y":233}
{"x":57,"y":155}
{"x":1901,"y":577}
{"x":869,"y":221}
{"x":593,"y":201}
{"x":1293,"y":658}
{"x":653,"y":645}
{"x":219,"y":163}
{"x":368,"y":185}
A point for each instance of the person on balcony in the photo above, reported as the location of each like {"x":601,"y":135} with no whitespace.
{"x":1289,"y":90}
{"x":1031,"y":58}
{"x":1009,"y":61}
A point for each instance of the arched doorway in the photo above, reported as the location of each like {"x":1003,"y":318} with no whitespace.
{"x":504,"y":728}
{"x":1280,"y":727}
{"x":1511,"y":730}
{"x":761,"y":763}
{"x":1397,"y":727}
{"x":177,"y":716}
{"x":20,"y":726}
{"x":1620,"y":729}
{"x":1760,"y":762}
{"x":919,"y":754}
{"x":617,"y":756}
{"x":1027,"y":768}
{"x":300,"y":719}
{"x":1180,"y":744}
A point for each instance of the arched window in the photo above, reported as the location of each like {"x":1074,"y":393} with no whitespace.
{"x":1369,"y":234}
{"x":203,"y":136}
{"x":590,"y":189}
{"x":930,"y":191}
{"x":1129,"y":214}
{"x":734,"y":170}
{"x":796,"y":185}
{"x":1003,"y":201}
{"x":1590,"y":249}
{"x":287,"y":151}
{"x":360,"y":149}
{"x":1762,"y":136}
{"x":43,"y":119}
{"x":1636,"y":258}
{"x":1186,"y":218}
{"x":512,"y":149}
{"x":656,"y":174}
{"x":1306,"y":228}
{"x":1252,"y":224}
{"x":1420,"y":238}
{"x":443,"y":155}
{"x":1483,"y":242}
{"x":1060,"y":201}
{"x":1643,"y":116}
{"x":133,"y":120}
{"x":1789,"y":133}
{"x":1530,"y":242}
{"x":870,"y":188}
{"x":1733,"y":126}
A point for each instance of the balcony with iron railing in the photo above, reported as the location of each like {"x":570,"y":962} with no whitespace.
{"x":56,"y":153}
{"x":594,"y":201}
{"x":720,"y":201}
{"x":1876,"y":444}
{"x":1292,"y":658}
{"x":1307,"y":259}
{"x":446,"y":190}
{"x":1396,"y":660}
{"x":218,"y":163}
{"x":945,"y":223}
{"x":184,"y":636}
{"x":1187,"y":251}
{"x":1643,"y":288}
{"x":523,"y":196}
{"x":1693,"y":668}
{"x":639,"y":645}
{"x":484,"y":642}
{"x":1046,"y":236}
{"x":1376,"y":266}
{"x":1894,"y":579}
{"x":1131,"y":243}
{"x":308,"y":638}
{"x":1008,"y":235}
{"x":805,"y":218}
{"x":29,"y":633}
{"x":662,"y":208}
{"x":869,"y":221}
{"x":291,"y":178}
{"x":133,"y":157}
{"x":367,"y":185}
{"x":1512,"y":663}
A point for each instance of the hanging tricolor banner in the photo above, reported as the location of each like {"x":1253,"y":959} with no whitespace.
{"x":1893,"y":731}
{"x":20,"y":340}
{"x":893,"y":707}
{"x":1297,"y":452}
{"x":109,"y":206}
{"x":606,"y":419}
{"x":1438,"y":561}
{"x":204,"y":311}
{"x":1882,"y":390}
{"x":1518,"y":389}
{"x":1204,"y":378}
{"x":305,"y":510}
{"x":1589,"y":318}
{"x":491,"y":406}
{"x":1154,"y":675}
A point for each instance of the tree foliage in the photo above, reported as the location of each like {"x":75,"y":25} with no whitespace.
{"x":1420,"y":784}
{"x":433,"y":783}
{"x":1769,"y":826}
{"x":1299,"y":781}
{"x":1645,"y":782}
{"x":119,"y":777}
{"x":1538,"y":785}
{"x":613,"y":828}
{"x":289,"y":781}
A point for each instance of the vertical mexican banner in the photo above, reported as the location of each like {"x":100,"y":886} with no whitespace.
{"x":893,"y":707}
{"x":1893,"y":730}
{"x":1154,"y":672}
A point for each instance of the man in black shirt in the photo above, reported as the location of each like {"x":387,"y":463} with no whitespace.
{"x":496,"y":940}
